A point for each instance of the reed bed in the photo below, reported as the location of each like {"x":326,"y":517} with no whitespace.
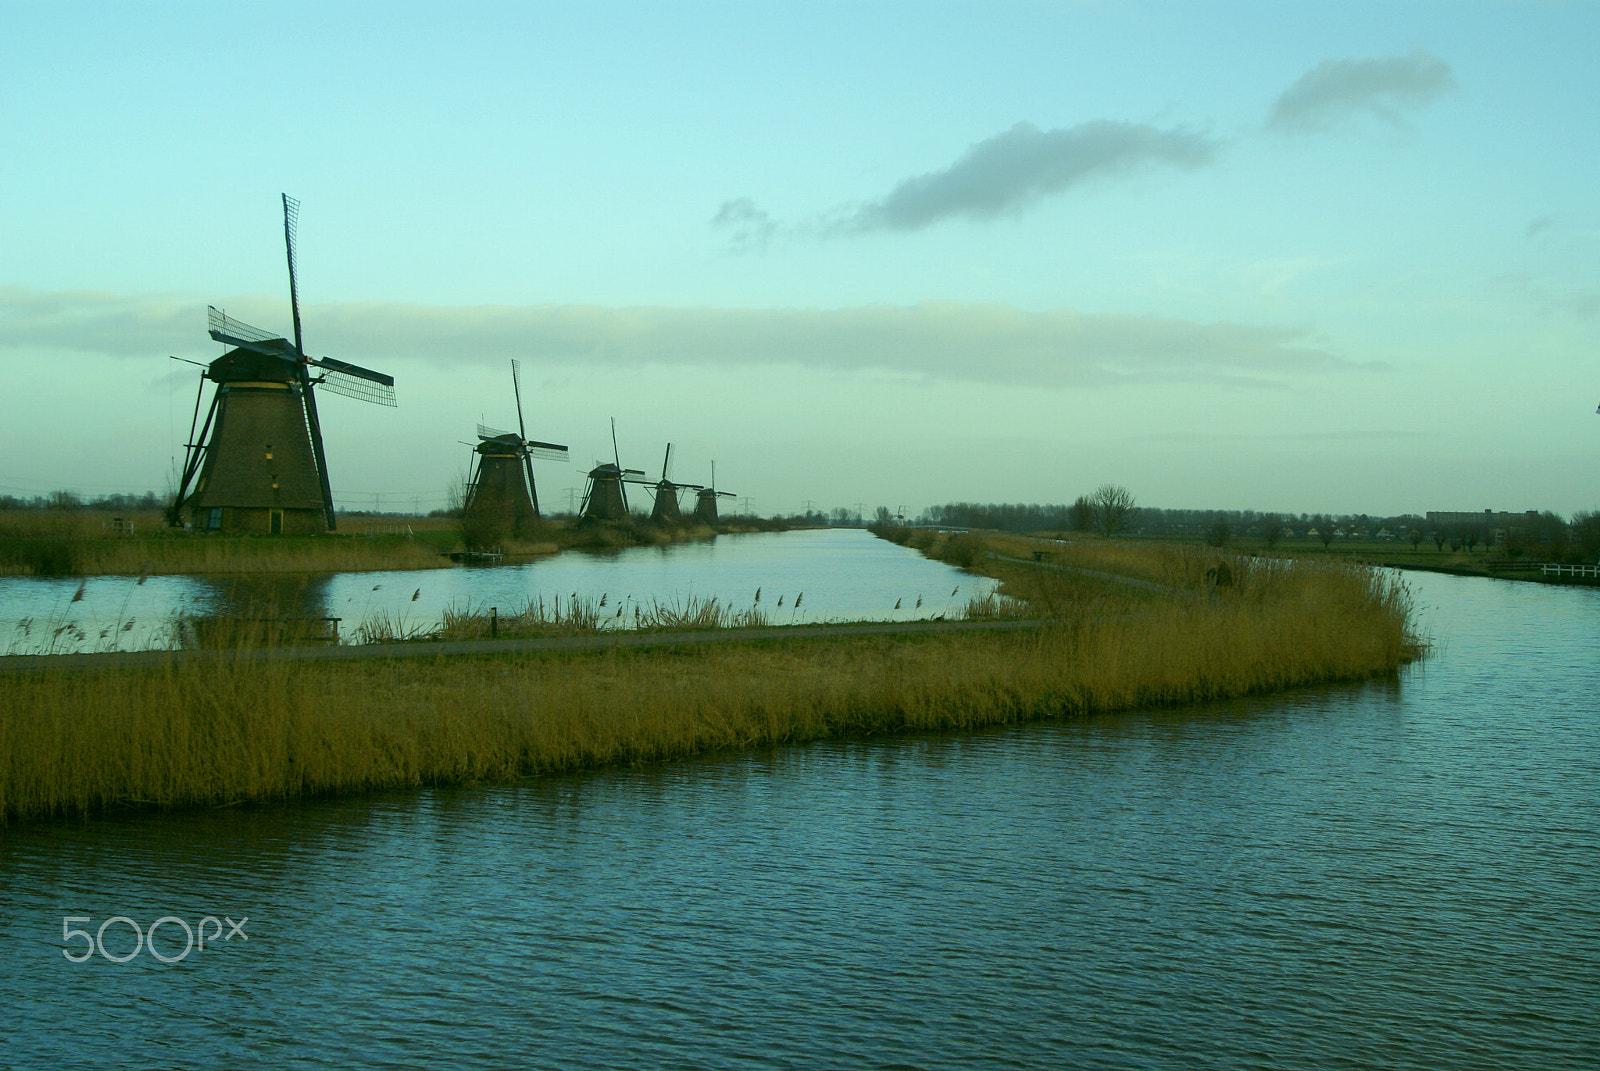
{"x":215,"y":733}
{"x":87,"y":543}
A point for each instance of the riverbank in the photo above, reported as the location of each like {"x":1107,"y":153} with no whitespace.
{"x":96,"y":543}
{"x":231,"y":731}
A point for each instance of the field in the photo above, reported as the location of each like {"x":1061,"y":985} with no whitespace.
{"x":224,"y":732}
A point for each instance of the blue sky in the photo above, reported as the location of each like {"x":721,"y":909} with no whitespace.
{"x":1304,"y":257}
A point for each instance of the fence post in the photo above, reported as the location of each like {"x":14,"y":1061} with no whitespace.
{"x":494,"y":621}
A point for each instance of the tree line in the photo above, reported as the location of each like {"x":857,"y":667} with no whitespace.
{"x":70,"y":500}
{"x":1110,"y":509}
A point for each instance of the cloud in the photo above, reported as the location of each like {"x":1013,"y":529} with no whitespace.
{"x":1009,"y":172}
{"x":1543,"y":223}
{"x":750,"y":227}
{"x":1335,"y":90}
{"x":98,"y":320}
{"x":946,"y":341}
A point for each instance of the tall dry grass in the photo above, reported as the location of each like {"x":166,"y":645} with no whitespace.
{"x":84,"y":543}
{"x":209,"y":733}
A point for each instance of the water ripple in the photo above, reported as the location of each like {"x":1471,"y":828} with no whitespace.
{"x":1382,"y":875}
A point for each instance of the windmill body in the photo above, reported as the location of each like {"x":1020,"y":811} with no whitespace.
{"x":501,"y":496}
{"x":666,"y":511}
{"x":606,"y":498}
{"x":259,"y":472}
{"x":258,"y":465}
{"x":705,"y":507}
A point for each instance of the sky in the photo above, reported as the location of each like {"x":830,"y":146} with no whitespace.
{"x":1303,"y":257}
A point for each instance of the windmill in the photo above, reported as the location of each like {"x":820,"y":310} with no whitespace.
{"x":705,"y":509}
{"x":501,"y":494}
{"x":666,"y":511}
{"x":257,"y":464}
{"x":605,"y":498}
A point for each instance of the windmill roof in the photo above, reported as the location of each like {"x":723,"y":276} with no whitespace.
{"x":501,"y":444}
{"x":274,"y":361}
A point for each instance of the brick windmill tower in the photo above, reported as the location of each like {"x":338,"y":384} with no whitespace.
{"x":257,"y":464}
{"x":501,"y":495}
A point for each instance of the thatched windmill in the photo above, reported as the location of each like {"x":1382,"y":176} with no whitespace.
{"x":665,"y":512}
{"x":605,"y":499}
{"x":501,"y":495}
{"x":257,"y":464}
{"x":705,"y":508}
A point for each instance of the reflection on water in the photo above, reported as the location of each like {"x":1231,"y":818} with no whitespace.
{"x":1397,"y":874}
{"x":793,"y":577}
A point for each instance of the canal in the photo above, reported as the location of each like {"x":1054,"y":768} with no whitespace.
{"x":1400,"y":874}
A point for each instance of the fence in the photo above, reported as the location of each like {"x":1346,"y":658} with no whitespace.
{"x":1553,"y":569}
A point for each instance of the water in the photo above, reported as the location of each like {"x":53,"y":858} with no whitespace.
{"x":1401,"y":874}
{"x":833,"y":574}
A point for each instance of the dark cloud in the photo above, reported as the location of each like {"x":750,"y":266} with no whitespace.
{"x":749,"y":226}
{"x":1543,"y":223}
{"x":1335,"y":90}
{"x":1010,"y":171}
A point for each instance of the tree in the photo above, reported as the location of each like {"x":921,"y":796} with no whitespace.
{"x":1218,"y":536}
{"x":1324,"y":525}
{"x":1271,"y":529}
{"x":1415,"y":537}
{"x":1586,"y":534}
{"x":1080,"y":515}
{"x":1110,"y":506}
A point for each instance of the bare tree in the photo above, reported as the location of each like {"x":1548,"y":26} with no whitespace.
{"x":1111,"y":506}
{"x":1324,"y":525}
{"x":1271,"y":529}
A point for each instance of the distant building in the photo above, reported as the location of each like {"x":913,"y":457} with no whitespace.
{"x":1496,"y":526}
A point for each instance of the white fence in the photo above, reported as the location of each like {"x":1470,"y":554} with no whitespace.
{"x":1552,"y":569}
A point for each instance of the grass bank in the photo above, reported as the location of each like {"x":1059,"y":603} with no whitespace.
{"x":214,"y":733}
{"x":96,"y":543}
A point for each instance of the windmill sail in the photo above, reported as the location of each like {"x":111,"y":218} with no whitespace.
{"x":226,"y":329}
{"x":353,"y":381}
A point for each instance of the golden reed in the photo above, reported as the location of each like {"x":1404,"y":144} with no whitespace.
{"x":195,"y":734}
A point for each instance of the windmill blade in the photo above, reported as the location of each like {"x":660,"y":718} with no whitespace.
{"x":353,"y":381}
{"x":548,"y":451}
{"x":486,"y":432}
{"x":615,"y":453}
{"x":522,"y":433}
{"x":725,"y":494}
{"x":516,"y":387}
{"x":291,"y":224}
{"x":231,"y":332}
{"x":666,"y":465}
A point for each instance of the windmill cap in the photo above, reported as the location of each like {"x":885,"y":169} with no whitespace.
{"x":243,"y":364}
